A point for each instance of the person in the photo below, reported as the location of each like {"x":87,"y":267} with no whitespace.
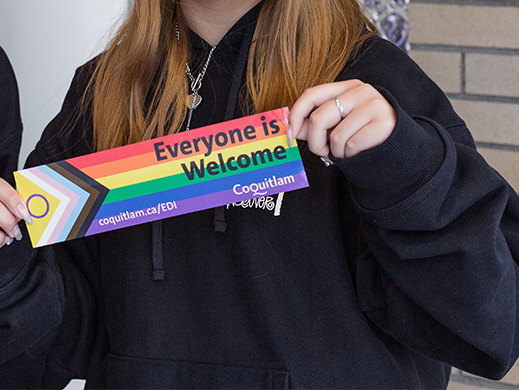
{"x":10,"y":120}
{"x":396,"y":263}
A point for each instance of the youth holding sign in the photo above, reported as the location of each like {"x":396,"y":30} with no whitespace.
{"x":349,"y":286}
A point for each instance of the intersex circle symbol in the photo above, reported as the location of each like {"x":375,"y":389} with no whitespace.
{"x":46,"y":203}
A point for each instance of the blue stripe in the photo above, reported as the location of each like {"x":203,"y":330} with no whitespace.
{"x":186,"y":192}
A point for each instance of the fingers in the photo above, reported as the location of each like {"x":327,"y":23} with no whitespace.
{"x":368,"y":119}
{"x":366,"y":127}
{"x":9,"y":224}
{"x":309,"y":102}
{"x":5,"y":239}
{"x":13,"y":202}
{"x":12,"y":210}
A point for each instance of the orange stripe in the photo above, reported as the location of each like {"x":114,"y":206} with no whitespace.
{"x":106,"y":156}
{"x":122,"y":165}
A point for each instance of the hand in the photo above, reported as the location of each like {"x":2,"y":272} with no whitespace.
{"x":12,"y":210}
{"x":315,"y":117}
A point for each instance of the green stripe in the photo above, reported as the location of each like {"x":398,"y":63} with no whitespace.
{"x":180,"y":180}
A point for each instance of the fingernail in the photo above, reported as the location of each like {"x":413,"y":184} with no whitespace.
{"x":289,"y":136}
{"x":7,"y":241}
{"x":24,"y":213}
{"x":17,"y":233}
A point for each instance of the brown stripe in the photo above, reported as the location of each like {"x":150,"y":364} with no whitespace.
{"x":88,"y":205}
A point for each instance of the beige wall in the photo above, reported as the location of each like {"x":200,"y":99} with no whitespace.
{"x":471,"y":49}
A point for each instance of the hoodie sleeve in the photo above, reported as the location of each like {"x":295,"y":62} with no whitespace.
{"x":47,"y":313}
{"x":439,"y":271}
{"x":47,"y":299}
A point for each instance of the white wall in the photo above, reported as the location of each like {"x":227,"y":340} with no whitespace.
{"x":46,"y":40}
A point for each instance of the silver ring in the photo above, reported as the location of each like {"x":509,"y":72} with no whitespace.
{"x":340,"y":107}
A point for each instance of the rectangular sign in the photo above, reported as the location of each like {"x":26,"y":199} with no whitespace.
{"x":177,"y":174}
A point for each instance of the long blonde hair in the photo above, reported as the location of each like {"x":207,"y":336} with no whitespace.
{"x":139,"y":87}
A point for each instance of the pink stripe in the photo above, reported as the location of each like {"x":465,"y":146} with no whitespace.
{"x":74,"y":198}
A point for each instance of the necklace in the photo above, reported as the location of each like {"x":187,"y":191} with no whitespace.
{"x":194,"y":99}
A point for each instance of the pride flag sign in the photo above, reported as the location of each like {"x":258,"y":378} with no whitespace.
{"x":177,"y":174}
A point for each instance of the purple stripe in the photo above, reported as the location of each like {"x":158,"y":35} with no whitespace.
{"x":173,"y":208}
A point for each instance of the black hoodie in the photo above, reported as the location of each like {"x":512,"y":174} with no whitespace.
{"x":10,"y":120}
{"x":392,"y":266}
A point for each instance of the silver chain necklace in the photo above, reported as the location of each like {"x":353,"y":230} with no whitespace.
{"x":193,"y":100}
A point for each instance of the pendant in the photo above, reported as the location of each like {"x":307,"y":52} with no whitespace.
{"x":196,"y":103}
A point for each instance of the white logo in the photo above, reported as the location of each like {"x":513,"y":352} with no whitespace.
{"x":263,"y":203}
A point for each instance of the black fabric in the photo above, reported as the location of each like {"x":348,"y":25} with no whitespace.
{"x":159,"y":273}
{"x":391,"y":267}
{"x":135,"y":373}
{"x":10,"y":120}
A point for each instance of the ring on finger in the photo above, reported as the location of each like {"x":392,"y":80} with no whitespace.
{"x":339,"y":107}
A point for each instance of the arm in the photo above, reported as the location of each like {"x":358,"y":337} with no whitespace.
{"x":443,"y":253}
{"x":47,"y":295}
{"x":441,"y":230}
{"x":47,"y":311}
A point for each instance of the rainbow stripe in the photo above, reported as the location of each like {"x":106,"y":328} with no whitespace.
{"x":204,"y":168}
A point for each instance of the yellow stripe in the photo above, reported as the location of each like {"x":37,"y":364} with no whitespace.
{"x":173,"y":168}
